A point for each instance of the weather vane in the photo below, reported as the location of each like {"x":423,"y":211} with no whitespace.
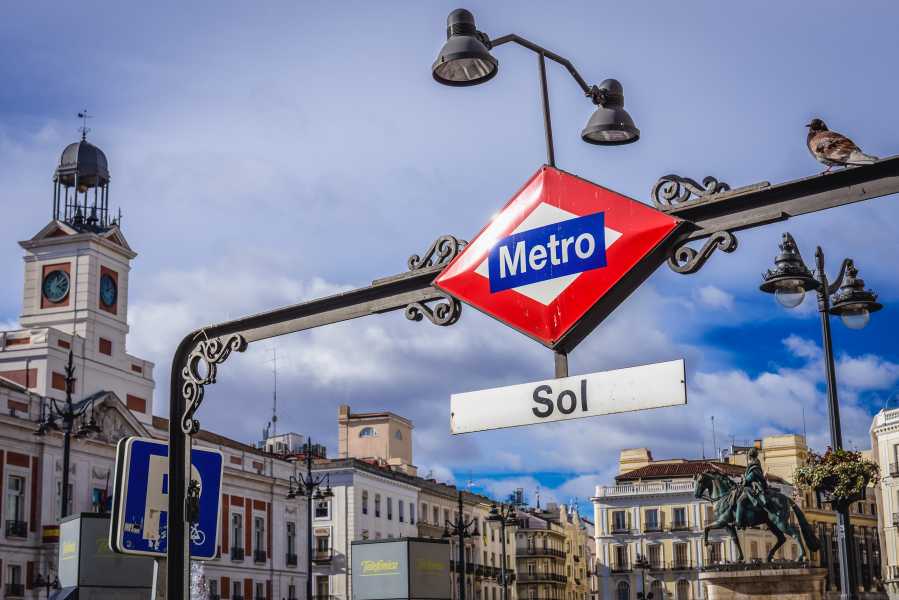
{"x":84,"y":128}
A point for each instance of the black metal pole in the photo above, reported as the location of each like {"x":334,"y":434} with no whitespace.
{"x":502,"y":562}
{"x":847,"y":575}
{"x":547,"y":122}
{"x":68,"y":419}
{"x":460,"y":530}
{"x":308,"y":490}
{"x":177,"y":554}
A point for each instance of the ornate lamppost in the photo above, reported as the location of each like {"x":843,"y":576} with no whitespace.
{"x":461,"y":528}
{"x":309,"y":486}
{"x":45,"y":582}
{"x":642,"y":565}
{"x":848,"y":299}
{"x":504,"y":516}
{"x":68,"y":413}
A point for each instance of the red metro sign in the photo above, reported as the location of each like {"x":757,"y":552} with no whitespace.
{"x":559,"y":257}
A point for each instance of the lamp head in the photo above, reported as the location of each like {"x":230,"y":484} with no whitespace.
{"x":852,"y":302}
{"x":610,"y":124}
{"x":790,"y":279}
{"x":465,"y":58}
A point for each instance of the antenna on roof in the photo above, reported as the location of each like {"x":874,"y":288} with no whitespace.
{"x":538,"y":497}
{"x":274,"y":420}
{"x":84,"y":128}
{"x":714,"y":438}
{"x":804,"y":434}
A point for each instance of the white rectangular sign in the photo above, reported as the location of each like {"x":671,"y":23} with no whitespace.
{"x":591,"y":395}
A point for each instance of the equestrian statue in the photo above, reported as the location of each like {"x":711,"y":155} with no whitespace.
{"x":750,"y":503}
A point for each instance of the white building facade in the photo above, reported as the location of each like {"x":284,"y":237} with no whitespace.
{"x":885,"y":451}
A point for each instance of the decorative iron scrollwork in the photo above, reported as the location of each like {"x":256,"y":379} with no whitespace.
{"x":686,"y":260}
{"x":671,"y":190}
{"x":445,"y":311}
{"x":200,"y":370}
{"x":442,"y":250}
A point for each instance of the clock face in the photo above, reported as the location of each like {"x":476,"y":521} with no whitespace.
{"x":108,"y":290}
{"x":56,"y":286}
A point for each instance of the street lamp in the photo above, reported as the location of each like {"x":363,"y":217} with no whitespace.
{"x":461,"y":528}
{"x":309,"y":486}
{"x":642,"y":565}
{"x":46,"y":583}
{"x":465,"y":60}
{"x":69,"y":412}
{"x":847,"y":298}
{"x":504,"y":516}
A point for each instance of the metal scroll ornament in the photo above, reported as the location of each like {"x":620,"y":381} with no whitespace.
{"x":687,"y":260}
{"x":442,"y":250}
{"x":671,"y":190}
{"x":444,"y":311}
{"x":200,"y":371}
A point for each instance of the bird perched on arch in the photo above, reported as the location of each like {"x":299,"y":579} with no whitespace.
{"x":834,"y":149}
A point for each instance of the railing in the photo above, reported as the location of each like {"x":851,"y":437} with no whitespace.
{"x":652,"y":528}
{"x":894,"y":469}
{"x":15,"y":589}
{"x":16,"y":529}
{"x":259,"y":556}
{"x":896,"y":519}
{"x":636,"y":489}
{"x":680,"y":525}
{"x":321,"y":556}
{"x":620,"y":529}
{"x":529,"y":551}
{"x":237,"y":554}
{"x":291,"y":560}
{"x":236,"y":597}
{"x":680,"y":565}
{"x":541,"y":577}
{"x":621,"y":567}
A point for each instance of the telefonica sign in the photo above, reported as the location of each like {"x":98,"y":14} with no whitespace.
{"x":380,"y":567}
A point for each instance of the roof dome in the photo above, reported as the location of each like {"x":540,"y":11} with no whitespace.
{"x":87,"y":162}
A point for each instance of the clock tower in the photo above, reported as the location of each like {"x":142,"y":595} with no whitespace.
{"x":76,"y":294}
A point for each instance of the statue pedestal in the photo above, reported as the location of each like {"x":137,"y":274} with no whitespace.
{"x":764,"y":581}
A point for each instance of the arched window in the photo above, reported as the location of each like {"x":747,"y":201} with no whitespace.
{"x":367,"y":432}
{"x":623,"y":591}
{"x":683,"y":590}
{"x":398,"y":435}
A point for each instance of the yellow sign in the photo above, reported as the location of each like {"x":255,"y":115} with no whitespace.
{"x":427,"y":565}
{"x":69,"y":550}
{"x":380,"y":567}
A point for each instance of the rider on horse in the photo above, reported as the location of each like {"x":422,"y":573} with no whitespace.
{"x":754,"y":487}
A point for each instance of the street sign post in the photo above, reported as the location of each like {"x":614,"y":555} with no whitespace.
{"x":559,"y":257}
{"x":140,"y":503}
{"x":622,"y":390}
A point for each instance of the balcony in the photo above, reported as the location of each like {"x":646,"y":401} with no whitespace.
{"x":644,"y":489}
{"x":16,"y":529}
{"x":291,"y":560}
{"x":15,"y":590}
{"x":321,"y":556}
{"x":236,"y":553}
{"x":259,"y":556}
{"x":541,"y":577}
{"x":529,"y":551}
{"x":680,"y":565}
{"x":655,"y":527}
{"x":620,"y":529}
{"x":680,"y":526}
{"x":621,"y":567}
{"x":894,"y":469}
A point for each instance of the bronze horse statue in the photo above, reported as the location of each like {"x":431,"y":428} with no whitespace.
{"x":725,"y":495}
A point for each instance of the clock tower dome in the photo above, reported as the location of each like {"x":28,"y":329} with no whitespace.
{"x":76,"y":292}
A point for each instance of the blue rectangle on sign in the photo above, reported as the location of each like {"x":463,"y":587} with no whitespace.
{"x":140,"y":512}
{"x":547,"y":252}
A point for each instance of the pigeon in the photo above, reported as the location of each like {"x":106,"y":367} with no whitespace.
{"x":833,"y":149}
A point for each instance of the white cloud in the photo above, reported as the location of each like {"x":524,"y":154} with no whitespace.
{"x":715,"y":297}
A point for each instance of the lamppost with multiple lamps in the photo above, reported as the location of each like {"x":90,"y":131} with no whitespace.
{"x":642,"y":565}
{"x":504,"y":516}
{"x":41,"y":581}
{"x":461,"y":528}
{"x":68,"y":413}
{"x":848,"y":299}
{"x":309,"y":486}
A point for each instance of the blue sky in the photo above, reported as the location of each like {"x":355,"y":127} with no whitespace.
{"x":264,"y":154}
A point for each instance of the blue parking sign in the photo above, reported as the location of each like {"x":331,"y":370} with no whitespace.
{"x":140,"y":499}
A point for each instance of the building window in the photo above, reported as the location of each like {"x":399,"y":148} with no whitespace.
{"x":401,"y":513}
{"x":446,"y":518}
{"x":237,"y":591}
{"x":398,"y":435}
{"x":378,"y":505}
{"x":655,"y":589}
{"x":619,"y":521}
{"x":715,"y":553}
{"x":652,"y":519}
{"x":411,"y":513}
{"x":680,"y":517}
{"x":15,"y":498}
{"x":365,"y":534}
{"x":258,"y":533}
{"x":237,"y":530}
{"x":682,"y":590}
{"x":71,"y":500}
{"x":436,"y":516}
{"x":367,"y":432}
{"x":213,"y":588}
{"x":389,"y":508}
{"x":655,"y":556}
{"x":364,"y":502}
{"x":623,"y":591}
{"x":291,"y":538}
{"x":322,"y":509}
{"x":424,"y":513}
{"x":322,"y":544}
{"x":260,"y":591}
{"x":620,"y":558}
{"x":680,"y":555}
{"x":753,"y":550}
{"x":322,"y":586}
{"x":291,"y":592}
